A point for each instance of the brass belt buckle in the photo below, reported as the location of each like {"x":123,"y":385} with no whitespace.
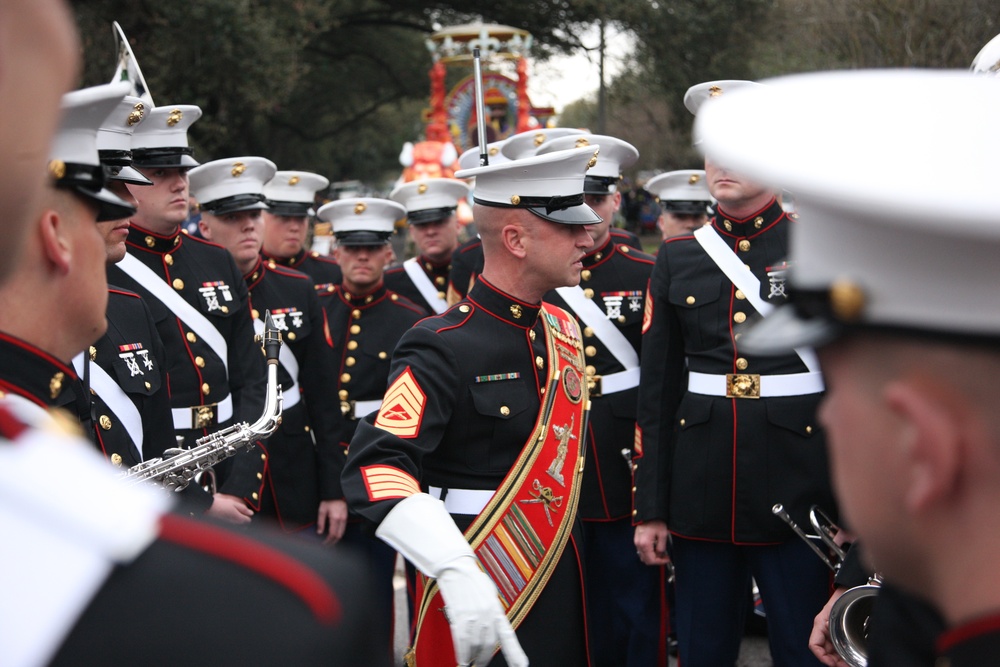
{"x":742,"y":385}
{"x":347,"y":409}
{"x":203,"y":415}
{"x":594,"y":385}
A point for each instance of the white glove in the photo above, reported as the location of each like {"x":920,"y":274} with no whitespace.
{"x":421,"y":529}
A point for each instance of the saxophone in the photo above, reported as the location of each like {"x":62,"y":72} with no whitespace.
{"x":178,"y":467}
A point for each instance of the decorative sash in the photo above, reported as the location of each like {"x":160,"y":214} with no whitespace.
{"x":745,"y":281}
{"x":522,"y":532}
{"x":423,"y":283}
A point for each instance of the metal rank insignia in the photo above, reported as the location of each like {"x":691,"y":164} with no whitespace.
{"x":776,"y":280}
{"x":211,"y":293}
{"x":613,"y":302}
{"x":543,"y":494}
{"x":133,"y":354}
{"x":564,"y":434}
{"x":283,"y":316}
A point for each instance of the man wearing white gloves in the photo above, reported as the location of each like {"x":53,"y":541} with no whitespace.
{"x":480,"y":430}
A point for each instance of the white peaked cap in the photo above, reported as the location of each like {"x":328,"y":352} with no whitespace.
{"x":293,"y":193}
{"x":362,"y":220}
{"x":161,"y":140}
{"x":429,"y":199}
{"x":232,"y":184}
{"x":682,"y":191}
{"x":526,"y":144}
{"x":470,"y":158}
{"x":895,"y":187}
{"x":114,"y":140}
{"x":698,"y":94}
{"x":614,"y":156}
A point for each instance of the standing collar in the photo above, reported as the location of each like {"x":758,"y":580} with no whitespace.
{"x":755,"y":223}
{"x":290,"y":262}
{"x":601,"y":254}
{"x":147,"y":240}
{"x":362,"y":300}
{"x":37,"y":375}
{"x":504,"y":306}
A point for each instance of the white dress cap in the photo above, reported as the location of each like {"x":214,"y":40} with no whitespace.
{"x":615,"y":155}
{"x":550,"y":186}
{"x":987,"y":61}
{"x":161,"y":140}
{"x":684,"y":191}
{"x":526,"y":144}
{"x":470,"y":158}
{"x":429,"y":199}
{"x":362,"y":220}
{"x":231,"y":185}
{"x":697,"y":95}
{"x":74,"y":162}
{"x":292,"y":193}
{"x":114,"y":140}
{"x":895,"y":187}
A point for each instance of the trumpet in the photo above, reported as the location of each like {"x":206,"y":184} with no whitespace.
{"x":850,"y":613}
{"x":178,"y":467}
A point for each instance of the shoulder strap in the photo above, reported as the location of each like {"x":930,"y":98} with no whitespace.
{"x":745,"y":281}
{"x":591,"y":315}
{"x":424,"y":284}
{"x":116,"y":399}
{"x":166,"y":295}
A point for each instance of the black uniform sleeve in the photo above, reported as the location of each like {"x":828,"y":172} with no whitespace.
{"x":427,"y":358}
{"x":660,"y":390}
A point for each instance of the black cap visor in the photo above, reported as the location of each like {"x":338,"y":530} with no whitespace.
{"x":679,"y":207}
{"x":289,"y":209}
{"x":427,"y":215}
{"x":170,"y":158}
{"x":234,"y":204}
{"x":600,"y":185}
{"x":363,"y":238}
{"x":109,"y":205}
{"x":565,"y":210}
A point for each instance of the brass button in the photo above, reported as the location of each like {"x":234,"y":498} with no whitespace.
{"x":588,"y":332}
{"x":93,"y":353}
{"x":178,"y":284}
{"x":105,"y":422}
{"x":742,"y":364}
{"x":291,"y":335}
{"x":356,"y":314}
{"x":355,"y":329}
{"x":439,"y":281}
{"x":758,"y":222}
{"x":205,"y":389}
{"x":346,"y":377}
{"x":682,"y":422}
{"x":590,"y":351}
{"x":739,"y":318}
{"x":539,"y":362}
{"x":531,"y":334}
{"x":191,"y":338}
{"x":260,"y":475}
{"x":148,"y":386}
{"x":342,"y":394}
{"x":254,"y":276}
{"x":585,"y":274}
{"x":224,"y":309}
{"x":263,"y":457}
{"x":199,"y":362}
{"x":728,"y":225}
{"x":591,"y":371}
{"x":740,"y":295}
{"x":504,"y":410}
{"x":306,"y":428}
{"x":633,"y":489}
{"x":382,"y":355}
{"x":271,"y":264}
{"x":255,"y":313}
{"x":350,"y":361}
{"x":441,"y":295}
{"x":168,"y":260}
{"x":809,"y":429}
{"x":177,"y":239}
{"x":744,"y":245}
{"x":589,"y":293}
{"x":689,"y":301}
{"x":463,"y":308}
{"x":635,"y":512}
{"x":621,"y":319}
{"x":352,"y":345}
{"x":150,"y":241}
{"x":598,"y":256}
{"x":394,"y":297}
{"x":116,"y":460}
{"x":254,"y":495}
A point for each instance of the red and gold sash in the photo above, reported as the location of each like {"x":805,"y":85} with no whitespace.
{"x":521,"y":533}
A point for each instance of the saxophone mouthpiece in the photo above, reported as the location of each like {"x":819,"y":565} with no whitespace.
{"x":272,"y":338}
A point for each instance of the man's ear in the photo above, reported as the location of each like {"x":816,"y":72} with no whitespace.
{"x":204,"y":229}
{"x":515,"y":240}
{"x":56,"y":246}
{"x":931,"y":444}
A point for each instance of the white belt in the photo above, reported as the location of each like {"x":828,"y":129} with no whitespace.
{"x":747,"y":385}
{"x":463,"y":501}
{"x":615,"y":382}
{"x":214,"y":414}
{"x":362,"y":409}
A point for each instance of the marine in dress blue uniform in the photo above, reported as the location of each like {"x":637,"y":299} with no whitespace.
{"x":716,"y":453}
{"x":302,"y":476}
{"x":198,"y":299}
{"x":433,"y":224}
{"x":465,"y":393}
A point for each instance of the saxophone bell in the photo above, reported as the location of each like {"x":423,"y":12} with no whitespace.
{"x":849,"y":618}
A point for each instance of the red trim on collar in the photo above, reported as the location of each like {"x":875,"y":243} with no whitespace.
{"x":25,"y":345}
{"x":963,"y":633}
